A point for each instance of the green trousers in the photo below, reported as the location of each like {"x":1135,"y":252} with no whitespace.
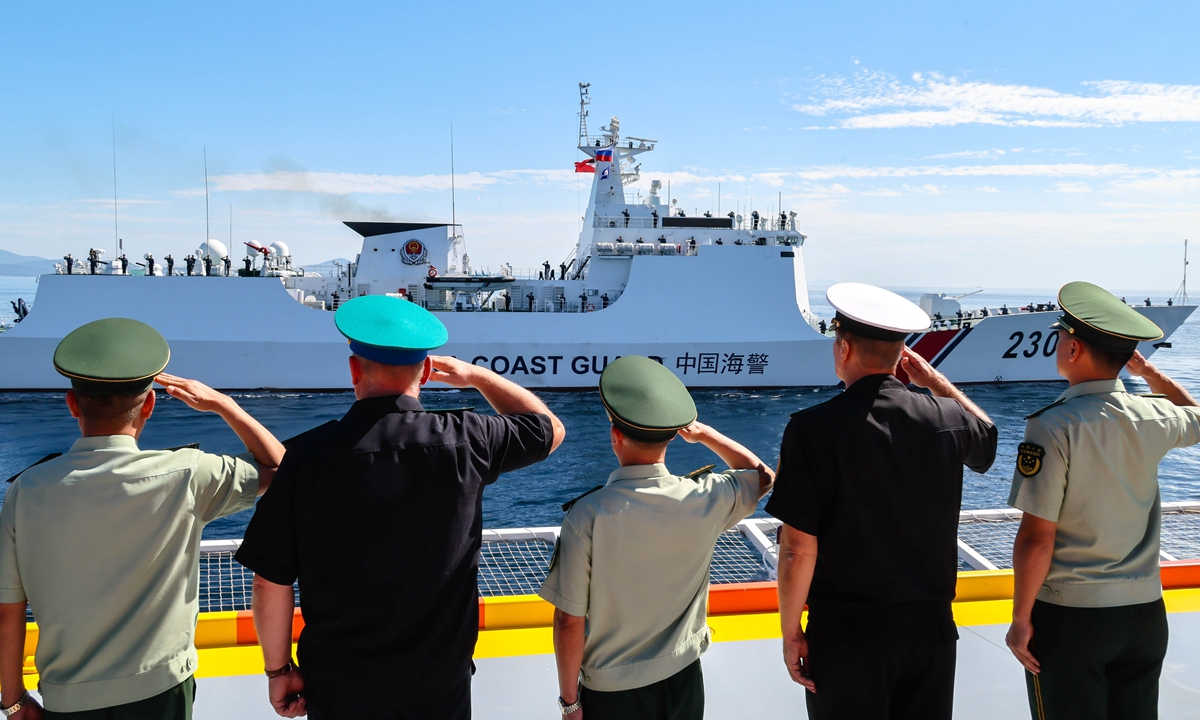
{"x":174,"y":704}
{"x":679,"y":697}
{"x":1097,"y":663}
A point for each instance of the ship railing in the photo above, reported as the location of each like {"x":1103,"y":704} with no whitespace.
{"x":515,"y":561}
{"x":595,"y":141}
{"x":620,"y":221}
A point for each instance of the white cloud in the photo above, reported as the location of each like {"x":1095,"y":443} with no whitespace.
{"x":337,"y":183}
{"x":1071,"y":187}
{"x":987,"y":189}
{"x":876,"y":100}
{"x":927,"y":189}
{"x":987,"y":154}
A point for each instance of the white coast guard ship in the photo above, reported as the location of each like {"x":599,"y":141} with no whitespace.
{"x":640,"y":280}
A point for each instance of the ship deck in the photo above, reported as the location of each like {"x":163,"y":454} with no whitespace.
{"x":744,"y":673}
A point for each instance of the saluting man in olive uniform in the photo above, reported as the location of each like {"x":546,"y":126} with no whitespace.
{"x":629,"y":579}
{"x":104,"y":541}
{"x":1089,"y":623}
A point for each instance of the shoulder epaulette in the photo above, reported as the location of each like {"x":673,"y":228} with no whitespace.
{"x":293,"y":438}
{"x":189,"y":446}
{"x":1035,"y":413}
{"x":1159,"y":396}
{"x":570,"y":504}
{"x":51,"y":456}
{"x":465,"y":408}
{"x":697,"y":473}
{"x":801,"y":411}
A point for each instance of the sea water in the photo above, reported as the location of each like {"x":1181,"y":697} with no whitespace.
{"x":35,"y":424}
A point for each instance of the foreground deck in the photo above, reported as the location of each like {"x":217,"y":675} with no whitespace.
{"x":744,"y":673}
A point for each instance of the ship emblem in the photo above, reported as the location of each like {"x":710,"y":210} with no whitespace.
{"x":414,"y":252}
{"x":1029,"y":459}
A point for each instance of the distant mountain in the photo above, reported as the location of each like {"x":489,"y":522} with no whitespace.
{"x":12,"y":264}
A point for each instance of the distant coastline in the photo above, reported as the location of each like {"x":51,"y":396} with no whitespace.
{"x":14,"y":265}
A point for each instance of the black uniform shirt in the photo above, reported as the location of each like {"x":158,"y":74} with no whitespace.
{"x":876,"y":475}
{"x":379,"y":516}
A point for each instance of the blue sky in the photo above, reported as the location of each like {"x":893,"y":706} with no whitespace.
{"x":929,"y":144}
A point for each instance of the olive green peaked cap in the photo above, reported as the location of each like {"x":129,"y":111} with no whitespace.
{"x":114,"y":356}
{"x":645,"y":400}
{"x":1097,"y":317}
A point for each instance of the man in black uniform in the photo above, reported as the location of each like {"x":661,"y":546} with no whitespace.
{"x":873,"y":479}
{"x":378,"y":516}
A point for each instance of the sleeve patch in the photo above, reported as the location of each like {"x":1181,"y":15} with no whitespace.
{"x":1029,"y":459}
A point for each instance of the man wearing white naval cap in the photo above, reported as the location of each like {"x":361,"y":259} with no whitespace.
{"x":873,"y":480}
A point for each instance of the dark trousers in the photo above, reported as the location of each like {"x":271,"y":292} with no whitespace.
{"x":174,"y":704}
{"x":1097,"y":663}
{"x":679,"y":697}
{"x":892,"y":670}
{"x":386,"y":702}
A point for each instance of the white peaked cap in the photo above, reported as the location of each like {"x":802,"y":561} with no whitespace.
{"x":877,"y":307}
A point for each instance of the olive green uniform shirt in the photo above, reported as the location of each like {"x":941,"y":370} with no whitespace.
{"x":1089,"y":462}
{"x":104,"y":543}
{"x":633,"y":557}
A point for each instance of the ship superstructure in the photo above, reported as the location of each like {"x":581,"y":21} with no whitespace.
{"x":722,"y":300}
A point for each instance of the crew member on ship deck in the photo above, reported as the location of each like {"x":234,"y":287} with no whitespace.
{"x":1089,"y":623}
{"x":872,"y":481}
{"x":104,"y":541}
{"x":629,"y":578}
{"x":379,"y":518}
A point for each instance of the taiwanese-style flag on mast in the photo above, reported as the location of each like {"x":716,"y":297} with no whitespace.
{"x":585,"y":166}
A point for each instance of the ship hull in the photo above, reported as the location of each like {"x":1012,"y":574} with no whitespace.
{"x":248,"y":333}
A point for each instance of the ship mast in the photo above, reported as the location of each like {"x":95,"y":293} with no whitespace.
{"x":1181,"y":295}
{"x":584,"y":101}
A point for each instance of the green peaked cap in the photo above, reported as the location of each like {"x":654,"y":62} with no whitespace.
{"x":114,"y":356}
{"x":1096,"y":316}
{"x":645,"y":400}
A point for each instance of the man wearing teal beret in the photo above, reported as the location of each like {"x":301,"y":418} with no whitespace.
{"x":629,"y":579}
{"x":378,"y":517}
{"x":103,"y":542}
{"x":1089,"y":623}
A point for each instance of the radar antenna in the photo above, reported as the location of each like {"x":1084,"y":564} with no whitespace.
{"x":1181,"y":295}
{"x":584,"y":101}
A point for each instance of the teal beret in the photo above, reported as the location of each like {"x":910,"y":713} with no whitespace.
{"x":645,"y":400}
{"x":1098,"y":318}
{"x":389,"y":330}
{"x":114,"y":356}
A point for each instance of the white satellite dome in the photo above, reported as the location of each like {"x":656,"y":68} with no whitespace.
{"x":280,"y":249}
{"x":213,"y":248}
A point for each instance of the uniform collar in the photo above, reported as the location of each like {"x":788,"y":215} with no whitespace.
{"x":385,"y":404}
{"x":638,"y":472}
{"x":1095,"y":387}
{"x":104,"y":442}
{"x":875,"y":383}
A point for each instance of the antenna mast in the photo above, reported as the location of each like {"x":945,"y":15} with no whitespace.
{"x":1181,"y":294}
{"x":584,"y":101}
{"x":116,"y":233}
{"x":453,"y":209}
{"x":206,"y":229}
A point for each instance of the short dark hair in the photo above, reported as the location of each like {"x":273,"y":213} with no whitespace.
{"x":111,"y":408}
{"x":645,"y":444}
{"x":1112,"y":361}
{"x":879,"y":353}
